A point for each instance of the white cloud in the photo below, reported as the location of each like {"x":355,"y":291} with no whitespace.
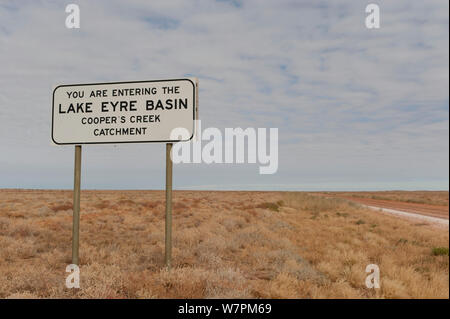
{"x":352,"y":104}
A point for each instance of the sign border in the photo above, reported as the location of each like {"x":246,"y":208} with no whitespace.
{"x":125,"y":82}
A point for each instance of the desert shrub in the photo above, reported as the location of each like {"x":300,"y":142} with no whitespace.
{"x":102,"y":204}
{"x":4,"y":223}
{"x":180,"y":205}
{"x":126,"y":202}
{"x":440,"y":251}
{"x":149,"y":204}
{"x":21,"y":231}
{"x":61,"y":207}
{"x":314,"y":203}
{"x":270,"y":206}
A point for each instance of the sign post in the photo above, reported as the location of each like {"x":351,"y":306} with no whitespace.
{"x":124,"y":112}
{"x":168,"y":236}
{"x":76,"y":206}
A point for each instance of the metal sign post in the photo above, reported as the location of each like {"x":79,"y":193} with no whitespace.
{"x":76,"y":206}
{"x":168,"y":241}
{"x":124,"y":112}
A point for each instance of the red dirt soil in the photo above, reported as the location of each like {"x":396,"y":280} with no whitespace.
{"x":423,"y":209}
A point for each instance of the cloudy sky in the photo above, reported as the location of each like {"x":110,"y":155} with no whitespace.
{"x":356,"y":108}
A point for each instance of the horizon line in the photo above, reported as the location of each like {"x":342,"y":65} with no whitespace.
{"x":228,"y":190}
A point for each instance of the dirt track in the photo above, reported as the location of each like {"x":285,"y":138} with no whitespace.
{"x":423,"y":209}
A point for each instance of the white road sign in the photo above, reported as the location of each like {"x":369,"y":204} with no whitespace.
{"x":124,"y":112}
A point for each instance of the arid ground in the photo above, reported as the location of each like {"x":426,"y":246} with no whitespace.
{"x":427,"y":203}
{"x":226,"y":245}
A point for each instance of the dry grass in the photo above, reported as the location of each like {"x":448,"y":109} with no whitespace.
{"x":226,"y":245}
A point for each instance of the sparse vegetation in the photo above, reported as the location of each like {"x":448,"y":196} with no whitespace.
{"x":61,"y":207}
{"x":270,"y":206}
{"x":226,"y":244}
{"x":440,"y":251}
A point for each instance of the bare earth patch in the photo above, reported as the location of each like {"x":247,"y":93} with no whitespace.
{"x":427,"y":203}
{"x":226,"y":245}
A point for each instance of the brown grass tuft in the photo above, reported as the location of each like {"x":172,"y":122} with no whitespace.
{"x":61,"y":207}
